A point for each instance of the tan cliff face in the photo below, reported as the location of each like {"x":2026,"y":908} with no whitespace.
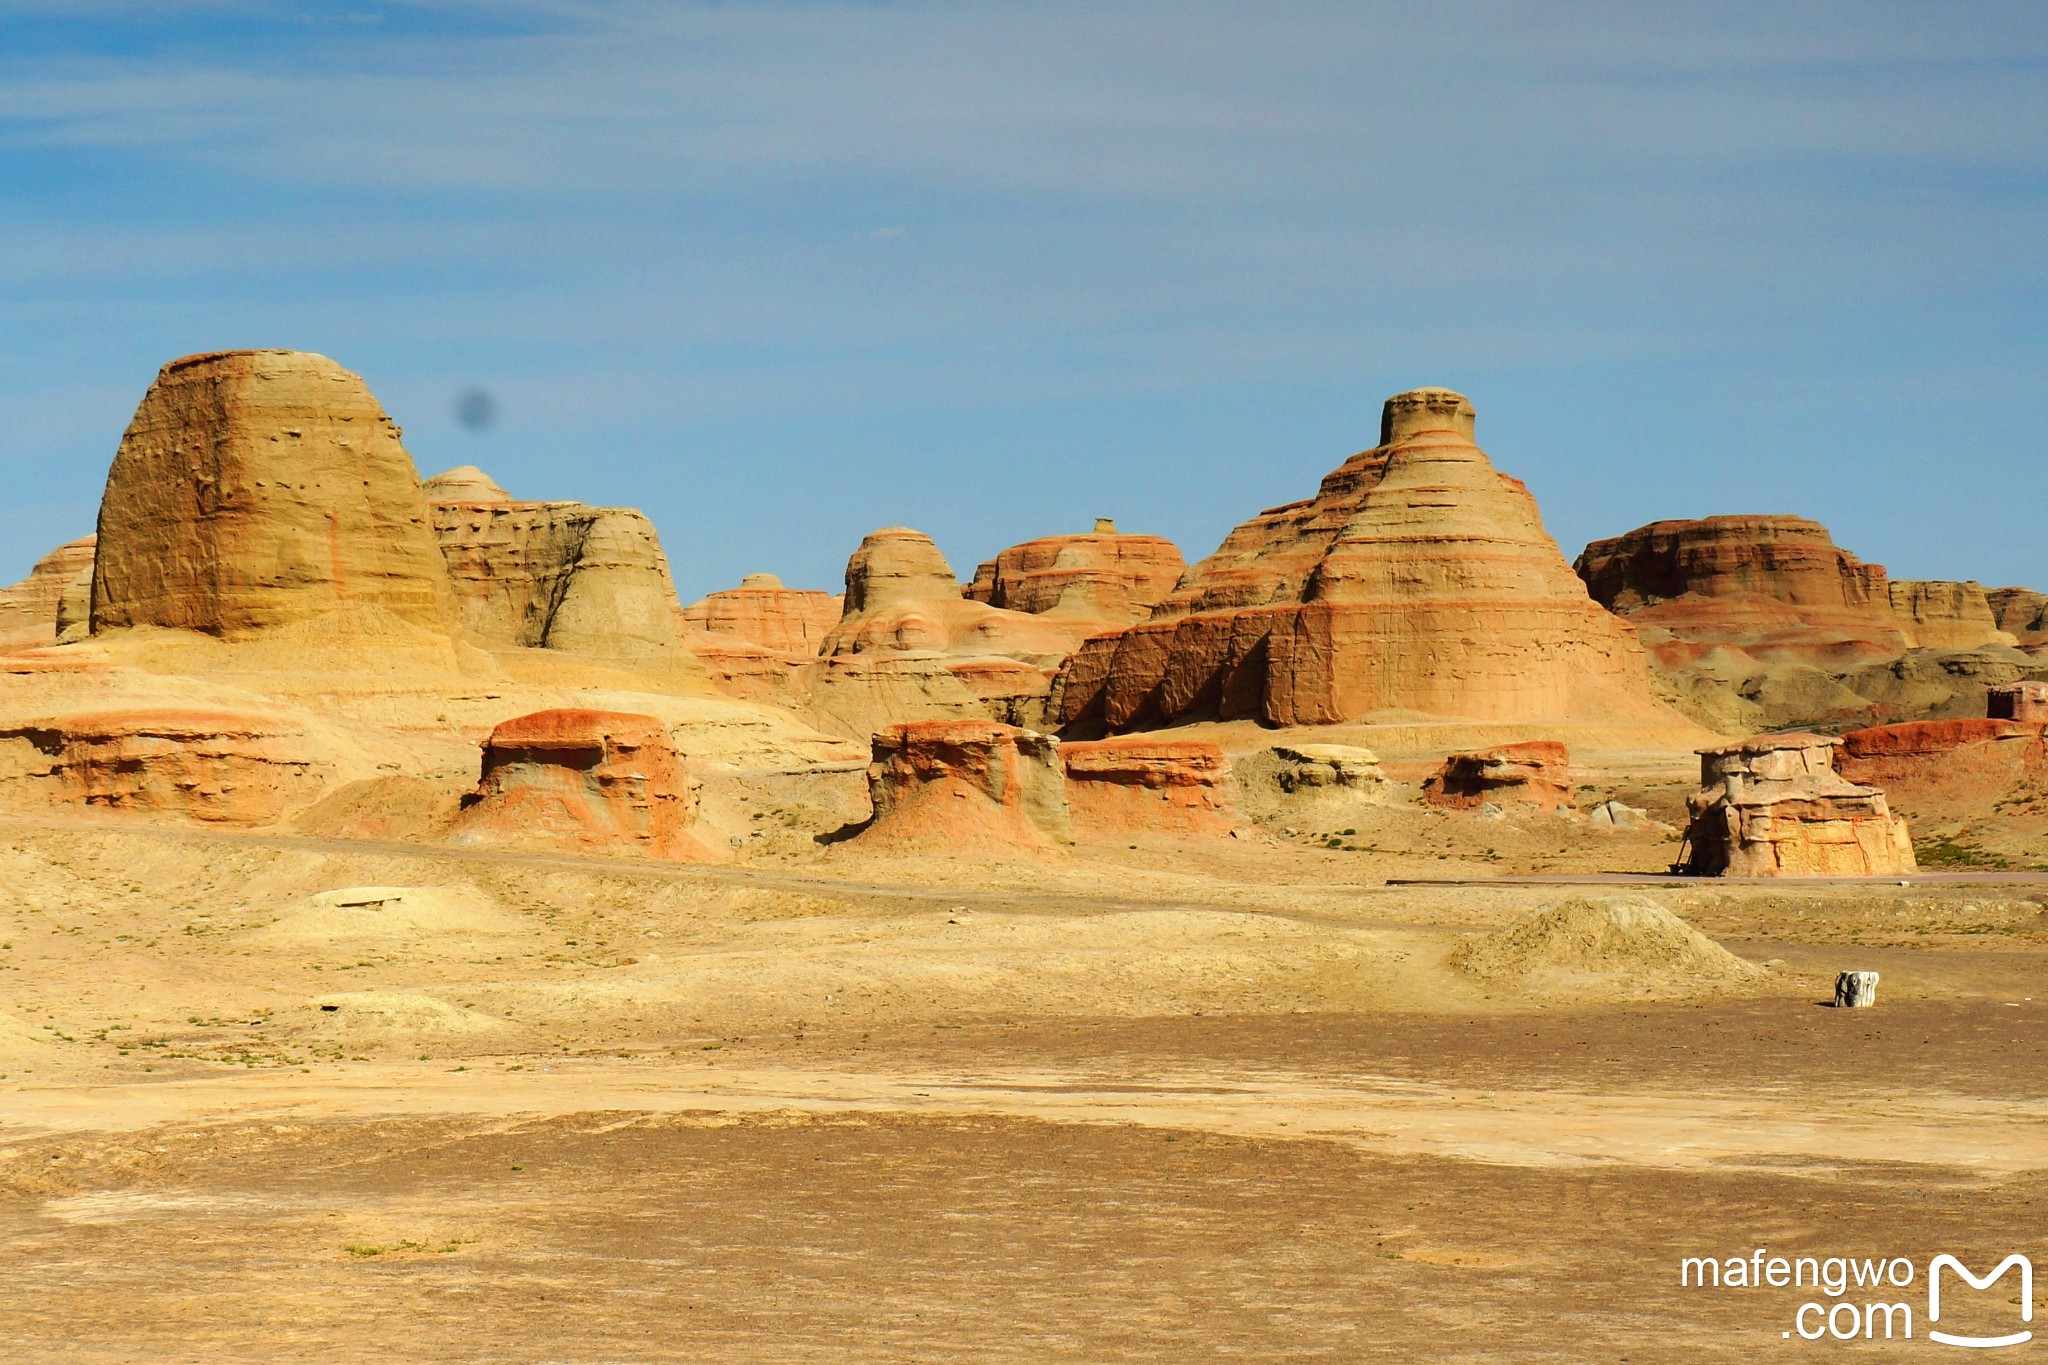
{"x":260,"y":489}
{"x":1418,"y":579}
{"x":556,"y":575}
{"x":34,"y":611}
{"x":761,"y":611}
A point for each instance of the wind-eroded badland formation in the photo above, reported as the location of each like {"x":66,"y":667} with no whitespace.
{"x":342,"y":807}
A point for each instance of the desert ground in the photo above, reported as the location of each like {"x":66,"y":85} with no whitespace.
{"x":279,"y":1097}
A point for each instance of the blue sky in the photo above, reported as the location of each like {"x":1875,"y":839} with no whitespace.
{"x":779,"y":274}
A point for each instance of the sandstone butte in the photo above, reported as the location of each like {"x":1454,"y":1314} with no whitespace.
{"x":209,"y":767}
{"x":1418,"y":580}
{"x":965,"y":786}
{"x":1148,"y":784}
{"x":556,"y":575}
{"x":1096,"y":582}
{"x":260,"y":489}
{"x":2022,"y":613}
{"x":37,"y":610}
{"x":584,"y":781}
{"x":1780,"y":590}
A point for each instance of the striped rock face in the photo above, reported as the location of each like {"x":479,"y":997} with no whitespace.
{"x":584,"y":781}
{"x":1419,"y":579}
{"x":261,"y":489}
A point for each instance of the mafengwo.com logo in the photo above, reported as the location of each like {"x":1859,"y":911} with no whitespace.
{"x":1865,"y":1299}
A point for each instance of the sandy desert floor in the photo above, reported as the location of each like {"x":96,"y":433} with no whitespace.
{"x":285,"y":1098}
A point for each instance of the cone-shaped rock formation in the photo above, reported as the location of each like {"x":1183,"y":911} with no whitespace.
{"x":1418,"y":579}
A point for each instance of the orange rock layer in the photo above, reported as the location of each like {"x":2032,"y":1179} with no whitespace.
{"x":1101,"y":581}
{"x":959,"y":785}
{"x":1535,"y":773}
{"x":205,"y":766}
{"x":1780,"y":590}
{"x":584,"y":781}
{"x":1145,"y":784}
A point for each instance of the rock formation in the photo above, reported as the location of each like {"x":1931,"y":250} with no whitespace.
{"x":2021,"y":613}
{"x":584,"y":781}
{"x":30,"y":611}
{"x":1946,"y":615}
{"x":556,"y":575}
{"x":209,"y":767}
{"x":954,"y":786}
{"x":1417,"y":580}
{"x":1776,"y":587}
{"x":909,"y":647}
{"x":1774,"y":806}
{"x":1950,"y":769}
{"x":1096,"y":582}
{"x":1147,"y":784}
{"x":760,"y":611}
{"x":1763,"y":622}
{"x":1535,"y":773}
{"x":259,"y":489}
{"x":1323,"y":788}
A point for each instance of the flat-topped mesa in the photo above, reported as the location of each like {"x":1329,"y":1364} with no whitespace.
{"x":1774,"y":806}
{"x":1418,"y":579}
{"x":557,"y":575}
{"x":761,"y":611}
{"x":30,"y":611}
{"x":584,"y":781}
{"x":1100,"y":581}
{"x":261,"y":489}
{"x":1779,"y":589}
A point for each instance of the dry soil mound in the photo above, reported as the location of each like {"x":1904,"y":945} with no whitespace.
{"x":408,"y":1020}
{"x":407,"y":913}
{"x":1597,"y":944}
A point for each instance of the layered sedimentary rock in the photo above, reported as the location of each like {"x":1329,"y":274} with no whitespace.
{"x":909,"y":647}
{"x":902,"y":597}
{"x":1148,"y":784}
{"x":261,"y":489}
{"x":1776,"y":587}
{"x":1939,"y":615}
{"x":30,"y":611}
{"x":959,"y":785}
{"x":1774,"y":806}
{"x":1763,"y":622}
{"x":1945,"y":769}
{"x":1096,"y":582}
{"x":585,"y":781}
{"x":1535,"y":773}
{"x":761,"y":611}
{"x":556,"y":575}
{"x":209,"y":767}
{"x":1418,"y":580}
{"x":2021,"y":613}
